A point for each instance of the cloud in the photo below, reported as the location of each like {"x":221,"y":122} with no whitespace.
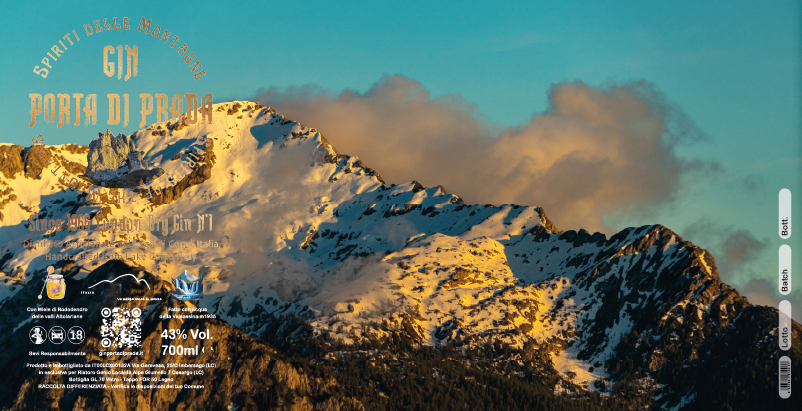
{"x":739,"y":248}
{"x":751,"y":183}
{"x":595,"y":151}
{"x":734,"y":248}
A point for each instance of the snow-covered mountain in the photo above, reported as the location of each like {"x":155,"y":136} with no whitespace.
{"x":291,"y":227}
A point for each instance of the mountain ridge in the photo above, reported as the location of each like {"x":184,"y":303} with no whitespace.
{"x":318,"y":235}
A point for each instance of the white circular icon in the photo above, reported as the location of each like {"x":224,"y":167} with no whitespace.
{"x":136,"y":312}
{"x":76,"y":335}
{"x":38,"y":335}
{"x":57,"y":335}
{"x":105,"y":342}
{"x":105,"y":312}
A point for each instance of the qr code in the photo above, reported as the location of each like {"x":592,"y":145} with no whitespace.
{"x":121,"y":328}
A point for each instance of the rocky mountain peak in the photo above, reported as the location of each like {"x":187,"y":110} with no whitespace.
{"x":106,"y":154}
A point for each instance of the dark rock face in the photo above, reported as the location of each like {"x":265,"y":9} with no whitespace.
{"x":34,"y":160}
{"x":11,"y":160}
{"x":132,"y":179}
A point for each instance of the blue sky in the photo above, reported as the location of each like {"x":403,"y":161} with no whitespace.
{"x":732,"y":67}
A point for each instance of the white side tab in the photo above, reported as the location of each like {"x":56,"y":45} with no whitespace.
{"x":785,"y":269}
{"x":785,"y":213}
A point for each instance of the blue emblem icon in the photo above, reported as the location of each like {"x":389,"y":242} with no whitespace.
{"x":188,"y":287}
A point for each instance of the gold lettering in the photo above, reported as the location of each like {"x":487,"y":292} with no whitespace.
{"x":50,"y":108}
{"x":144,"y":25}
{"x":78,"y":98}
{"x":108,"y":68}
{"x":125,"y":97}
{"x":192,"y":109}
{"x":176,"y":111}
{"x":114,"y":108}
{"x":119,"y":62}
{"x":57,"y":51}
{"x":63,"y":109}
{"x":206,"y":108}
{"x":90,"y":109}
{"x":36,"y":107}
{"x":147,"y":107}
{"x":133,"y":53}
{"x":42,"y":72}
{"x":161,"y":108}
